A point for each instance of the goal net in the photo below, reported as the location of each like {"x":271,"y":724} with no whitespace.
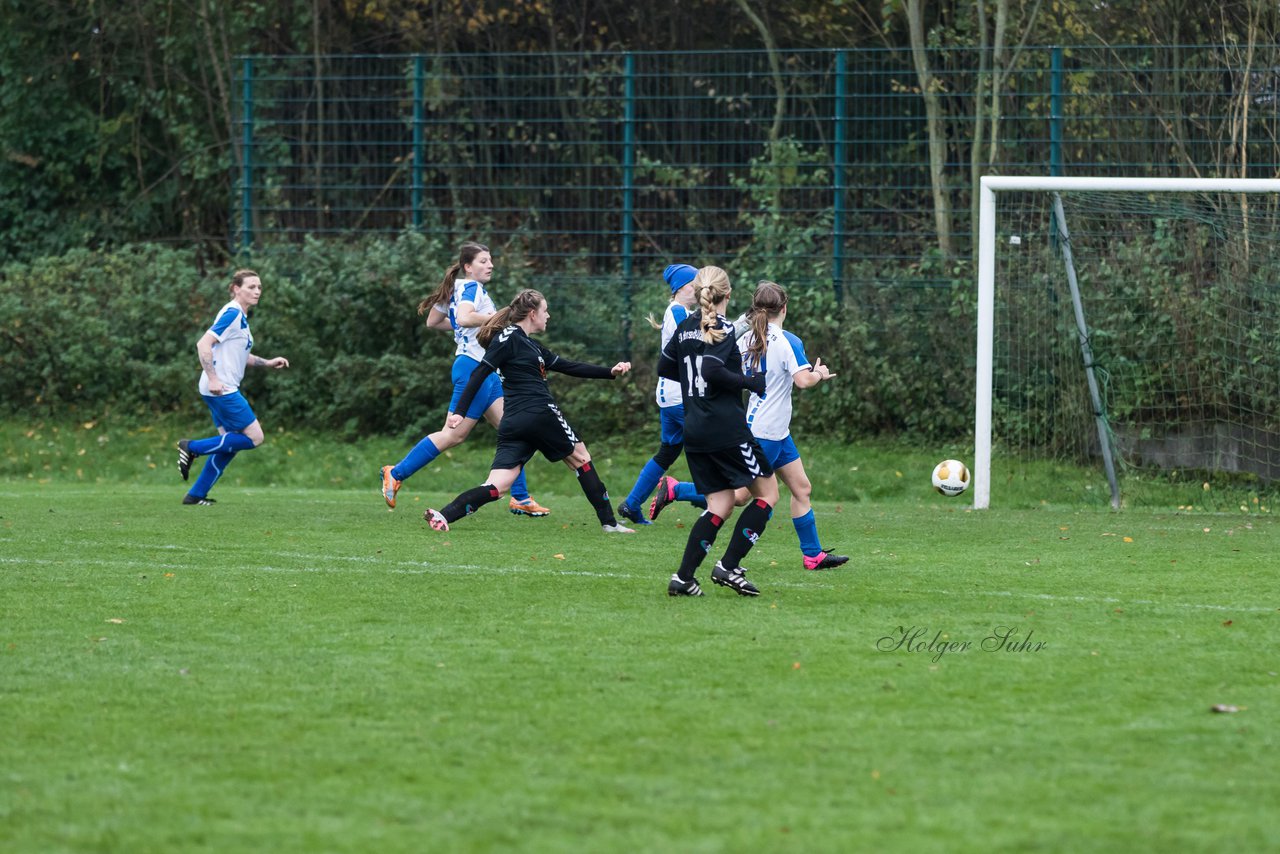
{"x":1128,"y":335}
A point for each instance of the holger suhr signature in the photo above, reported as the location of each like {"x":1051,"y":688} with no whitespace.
{"x":940,"y":643}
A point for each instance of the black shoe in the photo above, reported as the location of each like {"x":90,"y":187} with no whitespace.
{"x":665,"y":495}
{"x":825,"y":560}
{"x":191,"y":499}
{"x":635,"y":517}
{"x":186,"y":457}
{"x":676,"y":587}
{"x":734,"y":579}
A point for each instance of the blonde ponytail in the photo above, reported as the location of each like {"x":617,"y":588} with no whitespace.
{"x":710,"y":287}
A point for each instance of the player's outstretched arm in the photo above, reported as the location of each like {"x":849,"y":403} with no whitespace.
{"x":817,"y":373}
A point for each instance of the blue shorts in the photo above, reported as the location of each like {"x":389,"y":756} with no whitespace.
{"x":463,"y":367}
{"x":779,"y":452}
{"x":673,"y":424}
{"x":230,"y":411}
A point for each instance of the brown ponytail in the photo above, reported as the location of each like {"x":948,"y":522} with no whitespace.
{"x":769,"y":301}
{"x":466,"y":254}
{"x":525,"y":303}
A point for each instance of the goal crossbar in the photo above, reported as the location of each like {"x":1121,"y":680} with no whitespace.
{"x":990,"y":185}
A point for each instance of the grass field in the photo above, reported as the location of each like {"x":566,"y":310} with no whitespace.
{"x":296,"y":668}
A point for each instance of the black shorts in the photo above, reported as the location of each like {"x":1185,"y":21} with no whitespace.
{"x":524,"y":434}
{"x":727,"y":468}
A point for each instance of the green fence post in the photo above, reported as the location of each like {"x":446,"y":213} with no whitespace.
{"x":628,"y":194}
{"x":838,"y":155}
{"x":246,"y":164}
{"x":415,"y":171}
{"x":1055,"y":113}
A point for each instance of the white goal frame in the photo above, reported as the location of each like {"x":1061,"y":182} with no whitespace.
{"x":989,"y":186}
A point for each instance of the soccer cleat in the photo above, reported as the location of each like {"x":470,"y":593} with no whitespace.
{"x":676,"y":587}
{"x":528,"y":507}
{"x":733,"y":579}
{"x":436,"y":520}
{"x":390,"y":486}
{"x":617,"y":529}
{"x":186,"y":457}
{"x":192,"y":499}
{"x":822,"y":560}
{"x":635,"y":517}
{"x":666,"y":494}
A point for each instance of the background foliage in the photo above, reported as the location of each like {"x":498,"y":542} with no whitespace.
{"x":113,"y":333}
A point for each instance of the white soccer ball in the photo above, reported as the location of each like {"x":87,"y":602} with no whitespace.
{"x":951,"y":477}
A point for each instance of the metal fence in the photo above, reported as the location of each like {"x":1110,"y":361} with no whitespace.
{"x":810,"y":164}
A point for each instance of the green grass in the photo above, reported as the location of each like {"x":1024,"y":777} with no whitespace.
{"x":296,"y":668}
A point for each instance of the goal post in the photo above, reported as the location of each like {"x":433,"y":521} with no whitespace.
{"x":1137,"y":191}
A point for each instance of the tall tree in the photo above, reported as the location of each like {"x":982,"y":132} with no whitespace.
{"x":934,"y":125}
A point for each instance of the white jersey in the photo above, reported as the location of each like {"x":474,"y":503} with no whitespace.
{"x":668,"y":393}
{"x":231,"y":350}
{"x":769,"y":414}
{"x":467,"y":290}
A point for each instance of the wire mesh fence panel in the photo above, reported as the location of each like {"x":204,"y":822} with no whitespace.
{"x":588,"y":173}
{"x":600,"y":162}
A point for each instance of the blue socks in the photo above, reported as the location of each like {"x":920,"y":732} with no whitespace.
{"x":229,"y":442}
{"x":519,"y":490}
{"x":422,"y":453}
{"x":645,"y":483}
{"x":807,"y":530}
{"x":686,"y":491}
{"x":220,"y":451}
{"x":214,"y":466}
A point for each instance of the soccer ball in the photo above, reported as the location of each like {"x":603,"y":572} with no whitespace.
{"x":951,"y":477}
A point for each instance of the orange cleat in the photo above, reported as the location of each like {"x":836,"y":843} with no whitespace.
{"x":390,"y":486}
{"x":528,"y":507}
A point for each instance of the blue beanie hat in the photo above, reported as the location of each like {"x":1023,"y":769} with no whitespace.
{"x":679,"y":275}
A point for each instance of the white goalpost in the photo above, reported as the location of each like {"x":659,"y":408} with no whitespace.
{"x":1127,"y":262}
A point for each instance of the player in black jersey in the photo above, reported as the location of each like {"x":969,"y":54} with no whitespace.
{"x":721,"y":452}
{"x":531,"y":422}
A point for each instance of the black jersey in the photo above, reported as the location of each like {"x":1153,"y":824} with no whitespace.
{"x":522,"y":363}
{"x":712,"y":382}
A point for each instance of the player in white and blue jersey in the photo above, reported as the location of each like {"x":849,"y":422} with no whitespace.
{"x":224,"y":352}
{"x":462,"y":305}
{"x":770,"y":350}
{"x":679,"y":277}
